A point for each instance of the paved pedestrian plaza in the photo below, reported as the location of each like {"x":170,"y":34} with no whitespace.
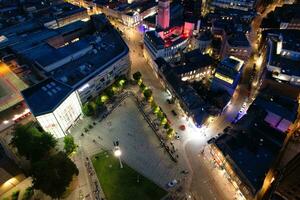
{"x":140,"y":147}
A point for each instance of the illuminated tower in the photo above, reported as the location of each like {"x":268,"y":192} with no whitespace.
{"x":163,"y":17}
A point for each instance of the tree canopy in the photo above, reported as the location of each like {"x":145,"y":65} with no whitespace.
{"x":69,"y":144}
{"x":88,"y":109}
{"x":147,"y":93}
{"x":109,"y":92}
{"x":53,"y":176}
{"x":137,"y":76}
{"x":32,"y":143}
{"x":99,"y":102}
{"x":142,"y":86}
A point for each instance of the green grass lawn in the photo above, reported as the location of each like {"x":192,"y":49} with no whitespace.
{"x":121,"y":184}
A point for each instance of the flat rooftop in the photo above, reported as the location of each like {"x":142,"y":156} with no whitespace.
{"x":271,"y":99}
{"x":239,"y":40}
{"x":192,"y":101}
{"x":106,"y":51}
{"x":10,"y":87}
{"x":106,"y":48}
{"x":284,"y":14}
{"x":252,"y":151}
{"x":194,"y":60}
{"x":20,"y":43}
{"x":229,"y":67}
{"x":13,"y":33}
{"x":290,"y":42}
{"x":40,"y":54}
{"x":31,"y":40}
{"x":45,"y":96}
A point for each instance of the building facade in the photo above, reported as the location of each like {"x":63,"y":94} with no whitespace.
{"x":227,"y":75}
{"x":287,"y":187}
{"x":283,"y":58}
{"x":62,"y":118}
{"x":237,"y":45}
{"x":244,"y":5}
{"x":163,"y":17}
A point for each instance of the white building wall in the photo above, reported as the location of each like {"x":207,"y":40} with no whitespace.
{"x":49,"y":123}
{"x":67,"y":113}
{"x":58,"y":122}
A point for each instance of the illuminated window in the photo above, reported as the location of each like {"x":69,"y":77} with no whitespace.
{"x":224,"y":78}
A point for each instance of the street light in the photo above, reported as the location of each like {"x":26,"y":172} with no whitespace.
{"x":118,"y":153}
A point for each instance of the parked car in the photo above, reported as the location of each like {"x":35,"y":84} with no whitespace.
{"x":244,"y":105}
{"x":182,"y":127}
{"x":172,"y":183}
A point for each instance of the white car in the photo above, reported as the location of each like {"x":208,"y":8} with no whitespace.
{"x":244,"y":105}
{"x":172,"y":183}
{"x":241,"y":111}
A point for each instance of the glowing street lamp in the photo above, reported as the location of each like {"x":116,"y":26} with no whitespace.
{"x":118,"y":153}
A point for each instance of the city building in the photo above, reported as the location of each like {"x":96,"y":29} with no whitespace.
{"x":176,"y":17}
{"x":194,"y":107}
{"x":283,"y":57}
{"x":79,"y":71}
{"x":280,"y":103}
{"x":245,"y":5}
{"x":169,"y":38}
{"x":179,"y":81}
{"x":163,"y":16}
{"x":10,"y":173}
{"x":55,"y":106}
{"x":237,"y":45}
{"x":203,"y":42}
{"x":55,"y":14}
{"x":231,"y":30}
{"x":130,"y":14}
{"x":227,"y":75}
{"x":247,"y":152}
{"x":287,"y":187}
{"x":194,"y":66}
{"x":285,"y":17}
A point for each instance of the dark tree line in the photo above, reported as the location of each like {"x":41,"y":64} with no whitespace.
{"x":51,"y":171}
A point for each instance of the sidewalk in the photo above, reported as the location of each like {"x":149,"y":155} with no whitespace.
{"x":21,"y":186}
{"x":220,"y":177}
{"x":88,"y":186}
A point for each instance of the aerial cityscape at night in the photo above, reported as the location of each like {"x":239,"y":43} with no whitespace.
{"x":150,"y":99}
